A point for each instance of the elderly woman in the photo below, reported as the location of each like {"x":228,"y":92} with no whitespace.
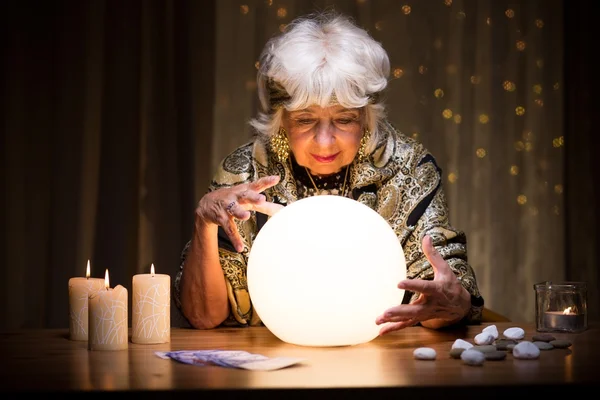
{"x":322,"y":129}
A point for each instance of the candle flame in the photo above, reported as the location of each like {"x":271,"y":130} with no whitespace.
{"x":567,"y":311}
{"x":87,"y":270}
{"x":106,"y":282}
{"x":152,"y":269}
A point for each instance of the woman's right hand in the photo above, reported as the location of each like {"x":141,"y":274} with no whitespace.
{"x":222,"y":206}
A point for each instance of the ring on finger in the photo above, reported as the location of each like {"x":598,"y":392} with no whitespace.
{"x":230,"y":207}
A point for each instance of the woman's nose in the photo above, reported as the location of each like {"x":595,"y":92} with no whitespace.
{"x":325,"y":133}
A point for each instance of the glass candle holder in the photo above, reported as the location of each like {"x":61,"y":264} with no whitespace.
{"x":561,"y":307}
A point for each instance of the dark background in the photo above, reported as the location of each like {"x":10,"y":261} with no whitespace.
{"x":68,"y":191}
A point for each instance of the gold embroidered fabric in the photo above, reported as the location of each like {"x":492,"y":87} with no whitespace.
{"x":400,"y":180}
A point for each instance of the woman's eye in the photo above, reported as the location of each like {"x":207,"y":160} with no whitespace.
{"x":345,"y":121}
{"x":305,"y":121}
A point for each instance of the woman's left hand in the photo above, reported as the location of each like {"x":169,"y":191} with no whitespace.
{"x":441,"y":302}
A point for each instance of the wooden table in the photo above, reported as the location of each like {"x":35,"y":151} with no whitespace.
{"x":35,"y":361}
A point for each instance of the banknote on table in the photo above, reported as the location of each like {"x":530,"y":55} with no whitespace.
{"x":229,"y":359}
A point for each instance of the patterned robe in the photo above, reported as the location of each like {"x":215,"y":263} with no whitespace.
{"x":400,"y":180}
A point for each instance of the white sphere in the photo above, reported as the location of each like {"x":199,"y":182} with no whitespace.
{"x":322,"y":270}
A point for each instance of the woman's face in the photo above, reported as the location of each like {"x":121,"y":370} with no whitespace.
{"x":324,"y":140}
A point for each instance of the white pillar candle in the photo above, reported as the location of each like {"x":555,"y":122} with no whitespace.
{"x":79,"y":290}
{"x":108,"y":318}
{"x":151,"y":311}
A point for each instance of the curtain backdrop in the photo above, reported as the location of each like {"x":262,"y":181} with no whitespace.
{"x":115,"y":114}
{"x":108,"y":114}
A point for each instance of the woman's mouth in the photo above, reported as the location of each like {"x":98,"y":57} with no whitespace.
{"x":325,"y":159}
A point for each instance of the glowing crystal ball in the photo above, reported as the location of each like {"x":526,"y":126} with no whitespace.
{"x":322,"y":269}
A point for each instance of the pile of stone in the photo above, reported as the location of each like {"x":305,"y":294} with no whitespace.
{"x":490,"y":347}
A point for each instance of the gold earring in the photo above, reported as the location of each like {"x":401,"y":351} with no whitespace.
{"x":362,"y":150}
{"x":281,"y":145}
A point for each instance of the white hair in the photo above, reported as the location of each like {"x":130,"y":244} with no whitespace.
{"x":318,"y":58}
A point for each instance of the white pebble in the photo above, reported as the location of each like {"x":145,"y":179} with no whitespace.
{"x":514,"y":333}
{"x":424,"y":353}
{"x":472,"y":357}
{"x":526,"y":350}
{"x":491,"y":329}
{"x":484,"y":338}
{"x":461,"y":344}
